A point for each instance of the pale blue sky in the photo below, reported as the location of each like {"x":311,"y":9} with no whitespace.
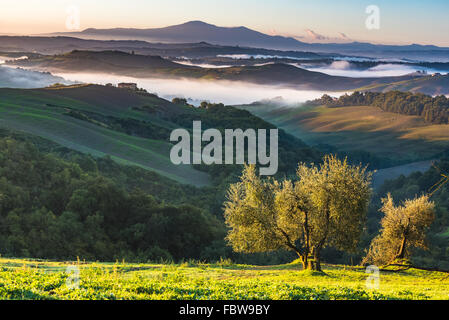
{"x":412,"y":21}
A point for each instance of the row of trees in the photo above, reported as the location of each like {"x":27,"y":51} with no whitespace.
{"x":432,"y":109}
{"x":325,"y":206}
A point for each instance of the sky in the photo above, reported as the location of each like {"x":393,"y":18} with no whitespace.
{"x":400,"y":21}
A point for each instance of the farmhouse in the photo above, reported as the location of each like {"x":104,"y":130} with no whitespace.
{"x":129,"y":86}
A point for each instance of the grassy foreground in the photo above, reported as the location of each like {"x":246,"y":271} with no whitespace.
{"x":32,"y":279}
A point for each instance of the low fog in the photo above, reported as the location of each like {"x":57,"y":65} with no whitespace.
{"x":343,"y":67}
{"x":202,"y":65}
{"x":347,"y":69}
{"x":229,"y":93}
{"x":258,"y":56}
{"x":26,"y":79}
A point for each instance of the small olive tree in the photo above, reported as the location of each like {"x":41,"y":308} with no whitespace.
{"x":403,"y":228}
{"x":325,"y":206}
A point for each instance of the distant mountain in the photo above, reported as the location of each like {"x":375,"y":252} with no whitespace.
{"x":197,"y":31}
{"x":139,"y":66}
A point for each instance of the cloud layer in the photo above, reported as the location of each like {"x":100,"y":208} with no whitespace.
{"x":347,"y":69}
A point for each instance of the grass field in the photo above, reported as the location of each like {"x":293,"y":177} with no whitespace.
{"x":41,"y":112}
{"x":32,"y":279}
{"x":400,"y":137}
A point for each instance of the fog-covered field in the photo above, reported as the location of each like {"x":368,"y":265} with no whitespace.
{"x":348,"y":69}
{"x":345,"y":67}
{"x":196,"y":91}
{"x":11,"y":77}
{"x":26,"y":79}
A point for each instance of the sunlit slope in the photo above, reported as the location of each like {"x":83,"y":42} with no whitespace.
{"x":43,"y":112}
{"x":400,"y":137}
{"x":431,"y":85}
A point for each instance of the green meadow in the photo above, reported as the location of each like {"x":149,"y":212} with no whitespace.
{"x":39,"y":279}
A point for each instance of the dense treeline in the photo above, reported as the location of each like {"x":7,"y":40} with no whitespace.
{"x":431,"y":109}
{"x":53,"y":208}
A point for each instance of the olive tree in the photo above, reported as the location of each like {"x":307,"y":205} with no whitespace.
{"x":325,"y":206}
{"x":403,"y":228}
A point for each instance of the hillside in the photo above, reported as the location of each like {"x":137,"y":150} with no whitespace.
{"x":140,"y":66}
{"x":399,"y":137}
{"x":44,"y":112}
{"x":86,"y":171}
{"x":132,"y":127}
{"x":31,"y":279}
{"x":436,"y":85}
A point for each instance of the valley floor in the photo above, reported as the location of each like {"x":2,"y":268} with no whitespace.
{"x":33,"y":279}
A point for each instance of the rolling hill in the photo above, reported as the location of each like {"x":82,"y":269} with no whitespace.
{"x":435,"y":85}
{"x":140,"y":66}
{"x":34,"y":45}
{"x":399,"y":137}
{"x":45,"y":113}
{"x":132,"y":127}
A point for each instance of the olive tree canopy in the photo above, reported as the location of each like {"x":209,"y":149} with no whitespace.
{"x":325,"y":206}
{"x":403,"y":228}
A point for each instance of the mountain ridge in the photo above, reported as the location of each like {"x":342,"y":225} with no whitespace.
{"x":198,"y":31}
